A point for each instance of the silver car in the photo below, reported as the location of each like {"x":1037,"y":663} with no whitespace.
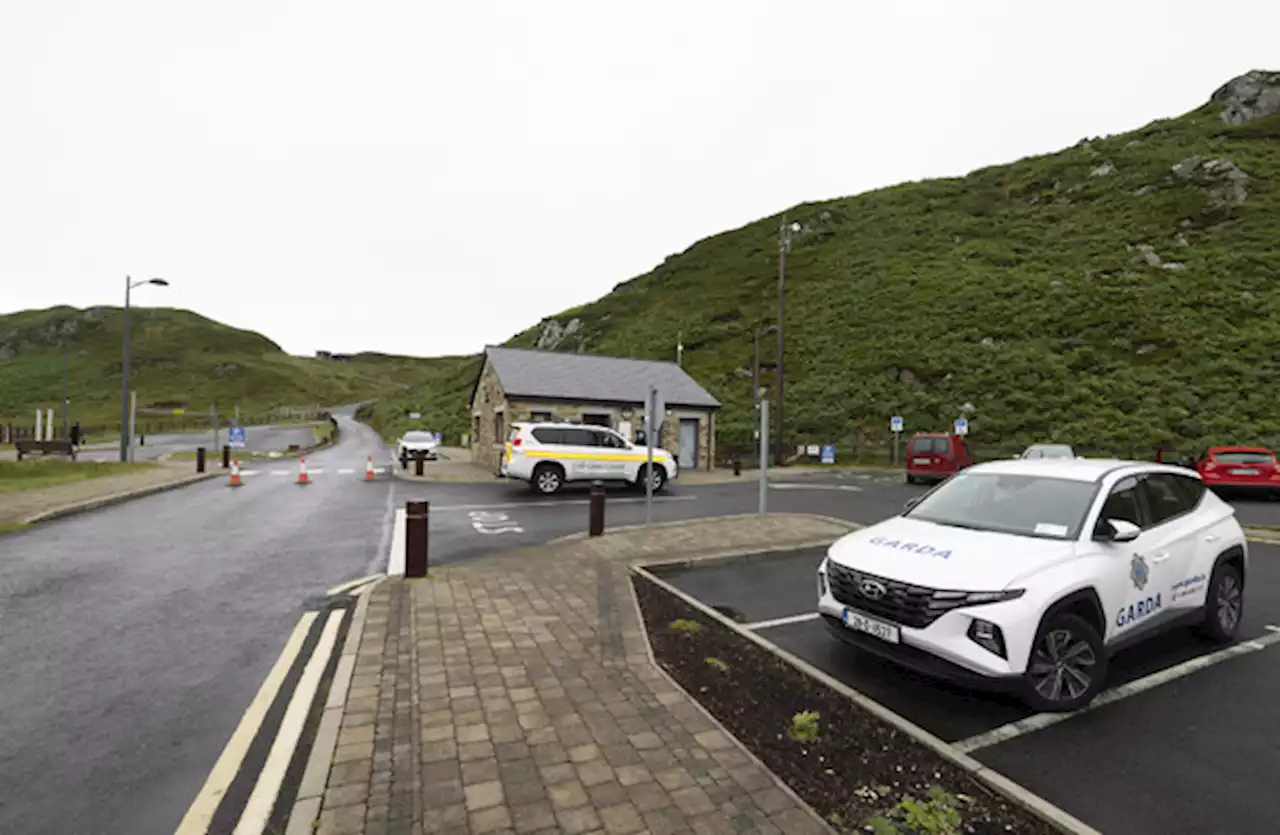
{"x":1048,"y":451}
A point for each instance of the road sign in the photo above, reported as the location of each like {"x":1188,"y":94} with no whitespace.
{"x":415,"y":416}
{"x":828,"y":453}
{"x":235,"y":436}
{"x":962,"y":426}
{"x":812,"y":449}
{"x":895,"y":424}
{"x":438,"y":437}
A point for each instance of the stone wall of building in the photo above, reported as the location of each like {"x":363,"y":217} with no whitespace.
{"x":487,"y":437}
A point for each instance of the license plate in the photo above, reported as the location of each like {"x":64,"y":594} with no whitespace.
{"x":925,"y":461}
{"x":1244,"y":472}
{"x":859,"y":622}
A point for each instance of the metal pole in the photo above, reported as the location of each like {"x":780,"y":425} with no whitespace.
{"x":133,"y":417}
{"x":649,"y":418}
{"x":764,"y":456}
{"x":755,"y":390}
{"x":124,"y":380}
{"x":213,"y":417}
{"x":782,"y":283}
{"x":66,"y":395}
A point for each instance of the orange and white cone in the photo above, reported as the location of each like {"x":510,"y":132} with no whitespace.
{"x":368,"y":469}
{"x":302,"y":472}
{"x":233,"y":480}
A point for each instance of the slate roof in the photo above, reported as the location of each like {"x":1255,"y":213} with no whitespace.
{"x":558,"y":376}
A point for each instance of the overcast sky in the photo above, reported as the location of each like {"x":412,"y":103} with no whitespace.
{"x":428,"y":177}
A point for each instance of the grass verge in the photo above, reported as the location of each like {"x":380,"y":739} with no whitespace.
{"x":32,"y":475}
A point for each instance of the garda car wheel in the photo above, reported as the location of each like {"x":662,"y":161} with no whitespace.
{"x":548,"y":479}
{"x":1224,"y":604}
{"x":659,"y":478}
{"x":1067,"y":667}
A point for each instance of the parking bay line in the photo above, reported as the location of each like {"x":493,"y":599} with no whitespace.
{"x":787,"y":621}
{"x":1039,"y":721}
{"x":200,"y":815}
{"x":257,"y":812}
{"x":534,"y":505}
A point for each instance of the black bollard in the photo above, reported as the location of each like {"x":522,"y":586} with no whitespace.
{"x":595,"y":517}
{"x":737,"y":467}
{"x":199,"y":459}
{"x":226,"y":456}
{"x":415,"y":539}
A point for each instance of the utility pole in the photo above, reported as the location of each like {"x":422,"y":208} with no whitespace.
{"x":66,"y":394}
{"x":784,"y":244}
{"x":126,"y":426}
{"x":755,"y":390}
{"x":680,"y":348}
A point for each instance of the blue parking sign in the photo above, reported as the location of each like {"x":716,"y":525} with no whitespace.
{"x":895,"y":424}
{"x":235,"y":436}
{"x":828,"y":453}
{"x":962,"y":426}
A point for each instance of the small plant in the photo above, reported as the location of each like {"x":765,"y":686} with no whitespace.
{"x":935,"y":815}
{"x":722,"y":666}
{"x":804,"y":726}
{"x":689,"y":627}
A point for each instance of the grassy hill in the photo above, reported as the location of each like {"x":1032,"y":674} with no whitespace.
{"x":1118,"y":294}
{"x":177,"y":357}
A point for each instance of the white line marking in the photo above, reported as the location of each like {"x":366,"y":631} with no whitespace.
{"x":279,"y":472}
{"x":1040,"y":721}
{"x":789,"y":485}
{"x":253,"y":821}
{"x":534,"y":505}
{"x":249,"y":472}
{"x":317,"y":471}
{"x":346,"y":471}
{"x":395,"y":557}
{"x":346,"y":587}
{"x":769,"y":624}
{"x":200,"y":814}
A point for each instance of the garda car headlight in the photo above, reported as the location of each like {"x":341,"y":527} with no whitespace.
{"x":976,"y":597}
{"x":987,"y":635}
{"x":822,"y":578}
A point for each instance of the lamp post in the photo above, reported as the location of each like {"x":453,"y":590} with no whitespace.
{"x":755,"y":382}
{"x":125,"y":440}
{"x":784,"y":246}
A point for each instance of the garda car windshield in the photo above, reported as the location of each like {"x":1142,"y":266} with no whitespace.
{"x":1048,"y":508}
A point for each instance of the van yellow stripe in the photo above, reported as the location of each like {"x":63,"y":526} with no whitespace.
{"x":586,"y":456}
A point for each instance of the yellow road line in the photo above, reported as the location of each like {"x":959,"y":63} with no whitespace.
{"x":200,"y":814}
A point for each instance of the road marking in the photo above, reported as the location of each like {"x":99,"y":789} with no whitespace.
{"x":253,"y":820}
{"x":769,"y":624}
{"x":249,"y":472}
{"x":346,"y":471}
{"x":200,"y":814}
{"x":395,"y":556}
{"x":789,"y":485}
{"x":354,"y":584}
{"x":279,"y":472}
{"x":493,"y":523}
{"x":534,"y":505}
{"x":1004,"y":733}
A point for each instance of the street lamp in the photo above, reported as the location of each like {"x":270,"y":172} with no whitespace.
{"x":125,"y":440}
{"x":784,"y":246}
{"x":755,"y":382}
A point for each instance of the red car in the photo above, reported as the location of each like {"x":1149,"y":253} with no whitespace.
{"x":1239,"y":468}
{"x":933,"y":457}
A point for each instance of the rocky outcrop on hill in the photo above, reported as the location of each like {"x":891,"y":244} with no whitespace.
{"x":1250,"y":96}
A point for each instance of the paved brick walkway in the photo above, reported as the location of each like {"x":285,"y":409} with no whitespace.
{"x":515,"y":694}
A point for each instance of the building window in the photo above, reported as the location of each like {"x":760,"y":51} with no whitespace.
{"x":540,"y":417}
{"x":498,"y":435}
{"x":597,"y":419}
{"x":475,"y":429}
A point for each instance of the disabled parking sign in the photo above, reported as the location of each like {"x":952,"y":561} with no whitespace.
{"x":235,"y":437}
{"x":828,"y":453}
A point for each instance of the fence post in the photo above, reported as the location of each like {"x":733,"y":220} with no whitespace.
{"x":416,"y":558}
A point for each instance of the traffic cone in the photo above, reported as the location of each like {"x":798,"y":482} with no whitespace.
{"x":302,"y":472}
{"x":368,"y":469}
{"x":234,"y":479}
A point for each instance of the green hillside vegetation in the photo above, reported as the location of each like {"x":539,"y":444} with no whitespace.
{"x":1119,"y":294}
{"x":441,"y":400}
{"x":177,"y":357}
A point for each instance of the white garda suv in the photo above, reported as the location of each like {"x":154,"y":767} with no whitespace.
{"x":550,"y":455}
{"x":1029,"y":574}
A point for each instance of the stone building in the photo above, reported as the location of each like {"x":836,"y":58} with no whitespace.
{"x":518,"y":385}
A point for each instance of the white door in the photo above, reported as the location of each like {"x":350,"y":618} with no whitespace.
{"x":688,"y":443}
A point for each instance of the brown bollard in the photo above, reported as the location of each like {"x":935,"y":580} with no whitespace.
{"x":595,"y":518}
{"x":226,"y":456}
{"x":418,"y":459}
{"x":199,"y":459}
{"x":415,"y":539}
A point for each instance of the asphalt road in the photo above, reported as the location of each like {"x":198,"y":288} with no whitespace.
{"x":133,"y":637}
{"x":260,"y":438}
{"x":1195,"y":754}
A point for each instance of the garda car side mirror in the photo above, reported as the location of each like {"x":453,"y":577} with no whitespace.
{"x":1119,"y":530}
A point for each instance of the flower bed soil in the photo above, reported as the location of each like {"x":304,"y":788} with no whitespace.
{"x":858,"y":768}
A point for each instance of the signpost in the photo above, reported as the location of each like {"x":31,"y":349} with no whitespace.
{"x":812,"y":450}
{"x":764,"y":455}
{"x":828,"y":453}
{"x":653,"y":412}
{"x":895,"y":426}
{"x":235,"y":437}
{"x":962,"y":426}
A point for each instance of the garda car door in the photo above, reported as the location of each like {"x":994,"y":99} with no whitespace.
{"x":1174,"y":534}
{"x":614,"y":455}
{"x":1131,"y":600}
{"x":579,"y":451}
